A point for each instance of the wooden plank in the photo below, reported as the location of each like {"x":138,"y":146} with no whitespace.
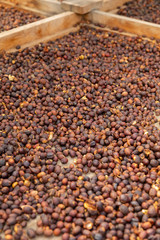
{"x":47,"y":38}
{"x":77,"y":6}
{"x":109,"y":5}
{"x":38,"y":30}
{"x":49,"y":6}
{"x":81,"y":6}
{"x":45,"y":7}
{"x":28,"y":3}
{"x":130,"y":25}
{"x":25,"y":8}
{"x":106,"y":29}
{"x":25,"y":2}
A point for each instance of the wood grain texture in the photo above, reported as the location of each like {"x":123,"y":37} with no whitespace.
{"x":49,"y":6}
{"x":25,"y":8}
{"x":46,"y":7}
{"x":81,"y":6}
{"x":130,"y":25}
{"x":37,"y":30}
{"x":109,"y":5}
{"x":47,"y":38}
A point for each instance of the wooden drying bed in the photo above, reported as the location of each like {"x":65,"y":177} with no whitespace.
{"x":63,"y":23}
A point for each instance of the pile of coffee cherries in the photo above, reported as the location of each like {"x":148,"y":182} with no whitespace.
{"x":92,"y":97}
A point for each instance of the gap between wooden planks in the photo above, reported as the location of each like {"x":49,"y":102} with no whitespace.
{"x":38,"y":31}
{"x":130,"y":25}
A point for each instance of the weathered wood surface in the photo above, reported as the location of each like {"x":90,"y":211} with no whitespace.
{"x":77,"y":6}
{"x":109,"y":5}
{"x":81,"y":6}
{"x":37,"y":31}
{"x":130,"y":25}
{"x":47,"y":7}
{"x":24,"y":7}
